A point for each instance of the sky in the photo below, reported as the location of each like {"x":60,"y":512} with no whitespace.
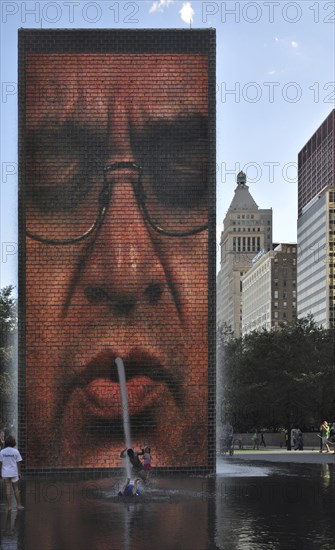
{"x":275,"y":86}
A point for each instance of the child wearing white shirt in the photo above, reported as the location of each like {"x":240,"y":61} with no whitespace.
{"x":10,"y":468}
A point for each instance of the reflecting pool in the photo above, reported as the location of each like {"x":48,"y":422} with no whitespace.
{"x":246,"y":506}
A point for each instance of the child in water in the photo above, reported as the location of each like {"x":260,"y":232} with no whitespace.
{"x":147,"y":460}
{"x":133,"y":456}
{"x":138,"y":468}
{"x":130,"y":489}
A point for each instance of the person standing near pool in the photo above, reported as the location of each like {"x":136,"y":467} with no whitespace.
{"x":325,"y":429}
{"x":10,"y":459}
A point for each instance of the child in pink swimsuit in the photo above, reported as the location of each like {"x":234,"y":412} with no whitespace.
{"x":147,"y":459}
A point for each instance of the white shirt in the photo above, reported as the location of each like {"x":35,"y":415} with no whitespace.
{"x":9,"y":458}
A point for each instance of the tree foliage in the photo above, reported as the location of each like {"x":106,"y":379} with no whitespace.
{"x":8,"y":330}
{"x":279,"y":378}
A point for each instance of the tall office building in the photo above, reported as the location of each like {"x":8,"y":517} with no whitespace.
{"x":246,"y":231}
{"x":316,"y":225}
{"x":269,"y":291}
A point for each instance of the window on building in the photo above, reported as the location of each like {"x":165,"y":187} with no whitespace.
{"x":275,"y":314}
{"x":284,"y":304}
{"x":276,"y":294}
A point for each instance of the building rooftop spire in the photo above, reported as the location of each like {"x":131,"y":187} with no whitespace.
{"x":242,"y":199}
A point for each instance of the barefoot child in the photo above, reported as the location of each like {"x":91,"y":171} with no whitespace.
{"x":137,"y":466}
{"x":130,"y":489}
{"x":10,"y":459}
{"x":147,"y":460}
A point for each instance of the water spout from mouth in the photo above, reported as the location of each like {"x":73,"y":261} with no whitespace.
{"x":125,"y":413}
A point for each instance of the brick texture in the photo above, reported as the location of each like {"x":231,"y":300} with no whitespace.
{"x":117,"y":247}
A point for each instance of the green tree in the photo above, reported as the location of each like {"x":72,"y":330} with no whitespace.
{"x":8,"y":333}
{"x":278,"y":378}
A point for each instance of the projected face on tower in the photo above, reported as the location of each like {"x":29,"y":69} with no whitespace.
{"x":116,"y":210}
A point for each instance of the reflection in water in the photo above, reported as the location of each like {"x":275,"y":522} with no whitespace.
{"x":326,"y":475}
{"x":12,"y":528}
{"x":284,"y":507}
{"x":288,"y":509}
{"x":89,"y":515}
{"x":241,"y":470}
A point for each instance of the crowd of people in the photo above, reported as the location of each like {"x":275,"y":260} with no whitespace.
{"x":295,"y":438}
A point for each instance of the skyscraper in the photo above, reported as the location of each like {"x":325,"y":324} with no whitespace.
{"x":269,"y":291}
{"x":316,"y":225}
{"x":246,"y":231}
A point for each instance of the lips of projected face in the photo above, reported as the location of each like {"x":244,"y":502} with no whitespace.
{"x":148,"y":383}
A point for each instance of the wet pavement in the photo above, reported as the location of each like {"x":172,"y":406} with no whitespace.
{"x":249,"y":504}
{"x":312,"y":456}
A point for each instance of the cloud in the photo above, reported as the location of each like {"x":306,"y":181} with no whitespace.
{"x":287,"y":42}
{"x":186,"y":13}
{"x":159,"y":5}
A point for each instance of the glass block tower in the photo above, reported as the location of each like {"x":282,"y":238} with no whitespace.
{"x":316,"y":225}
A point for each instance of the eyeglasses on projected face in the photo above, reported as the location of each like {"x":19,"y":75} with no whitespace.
{"x":66,"y":202}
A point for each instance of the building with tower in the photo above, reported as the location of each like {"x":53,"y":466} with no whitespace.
{"x":247,"y":230}
{"x":316,"y":225}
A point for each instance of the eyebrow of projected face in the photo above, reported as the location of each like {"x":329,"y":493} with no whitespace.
{"x":173,"y":153}
{"x":173,"y":133}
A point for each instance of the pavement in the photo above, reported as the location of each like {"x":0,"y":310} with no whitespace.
{"x":311,"y":456}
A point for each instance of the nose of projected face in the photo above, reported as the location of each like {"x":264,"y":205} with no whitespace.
{"x":124,"y":265}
